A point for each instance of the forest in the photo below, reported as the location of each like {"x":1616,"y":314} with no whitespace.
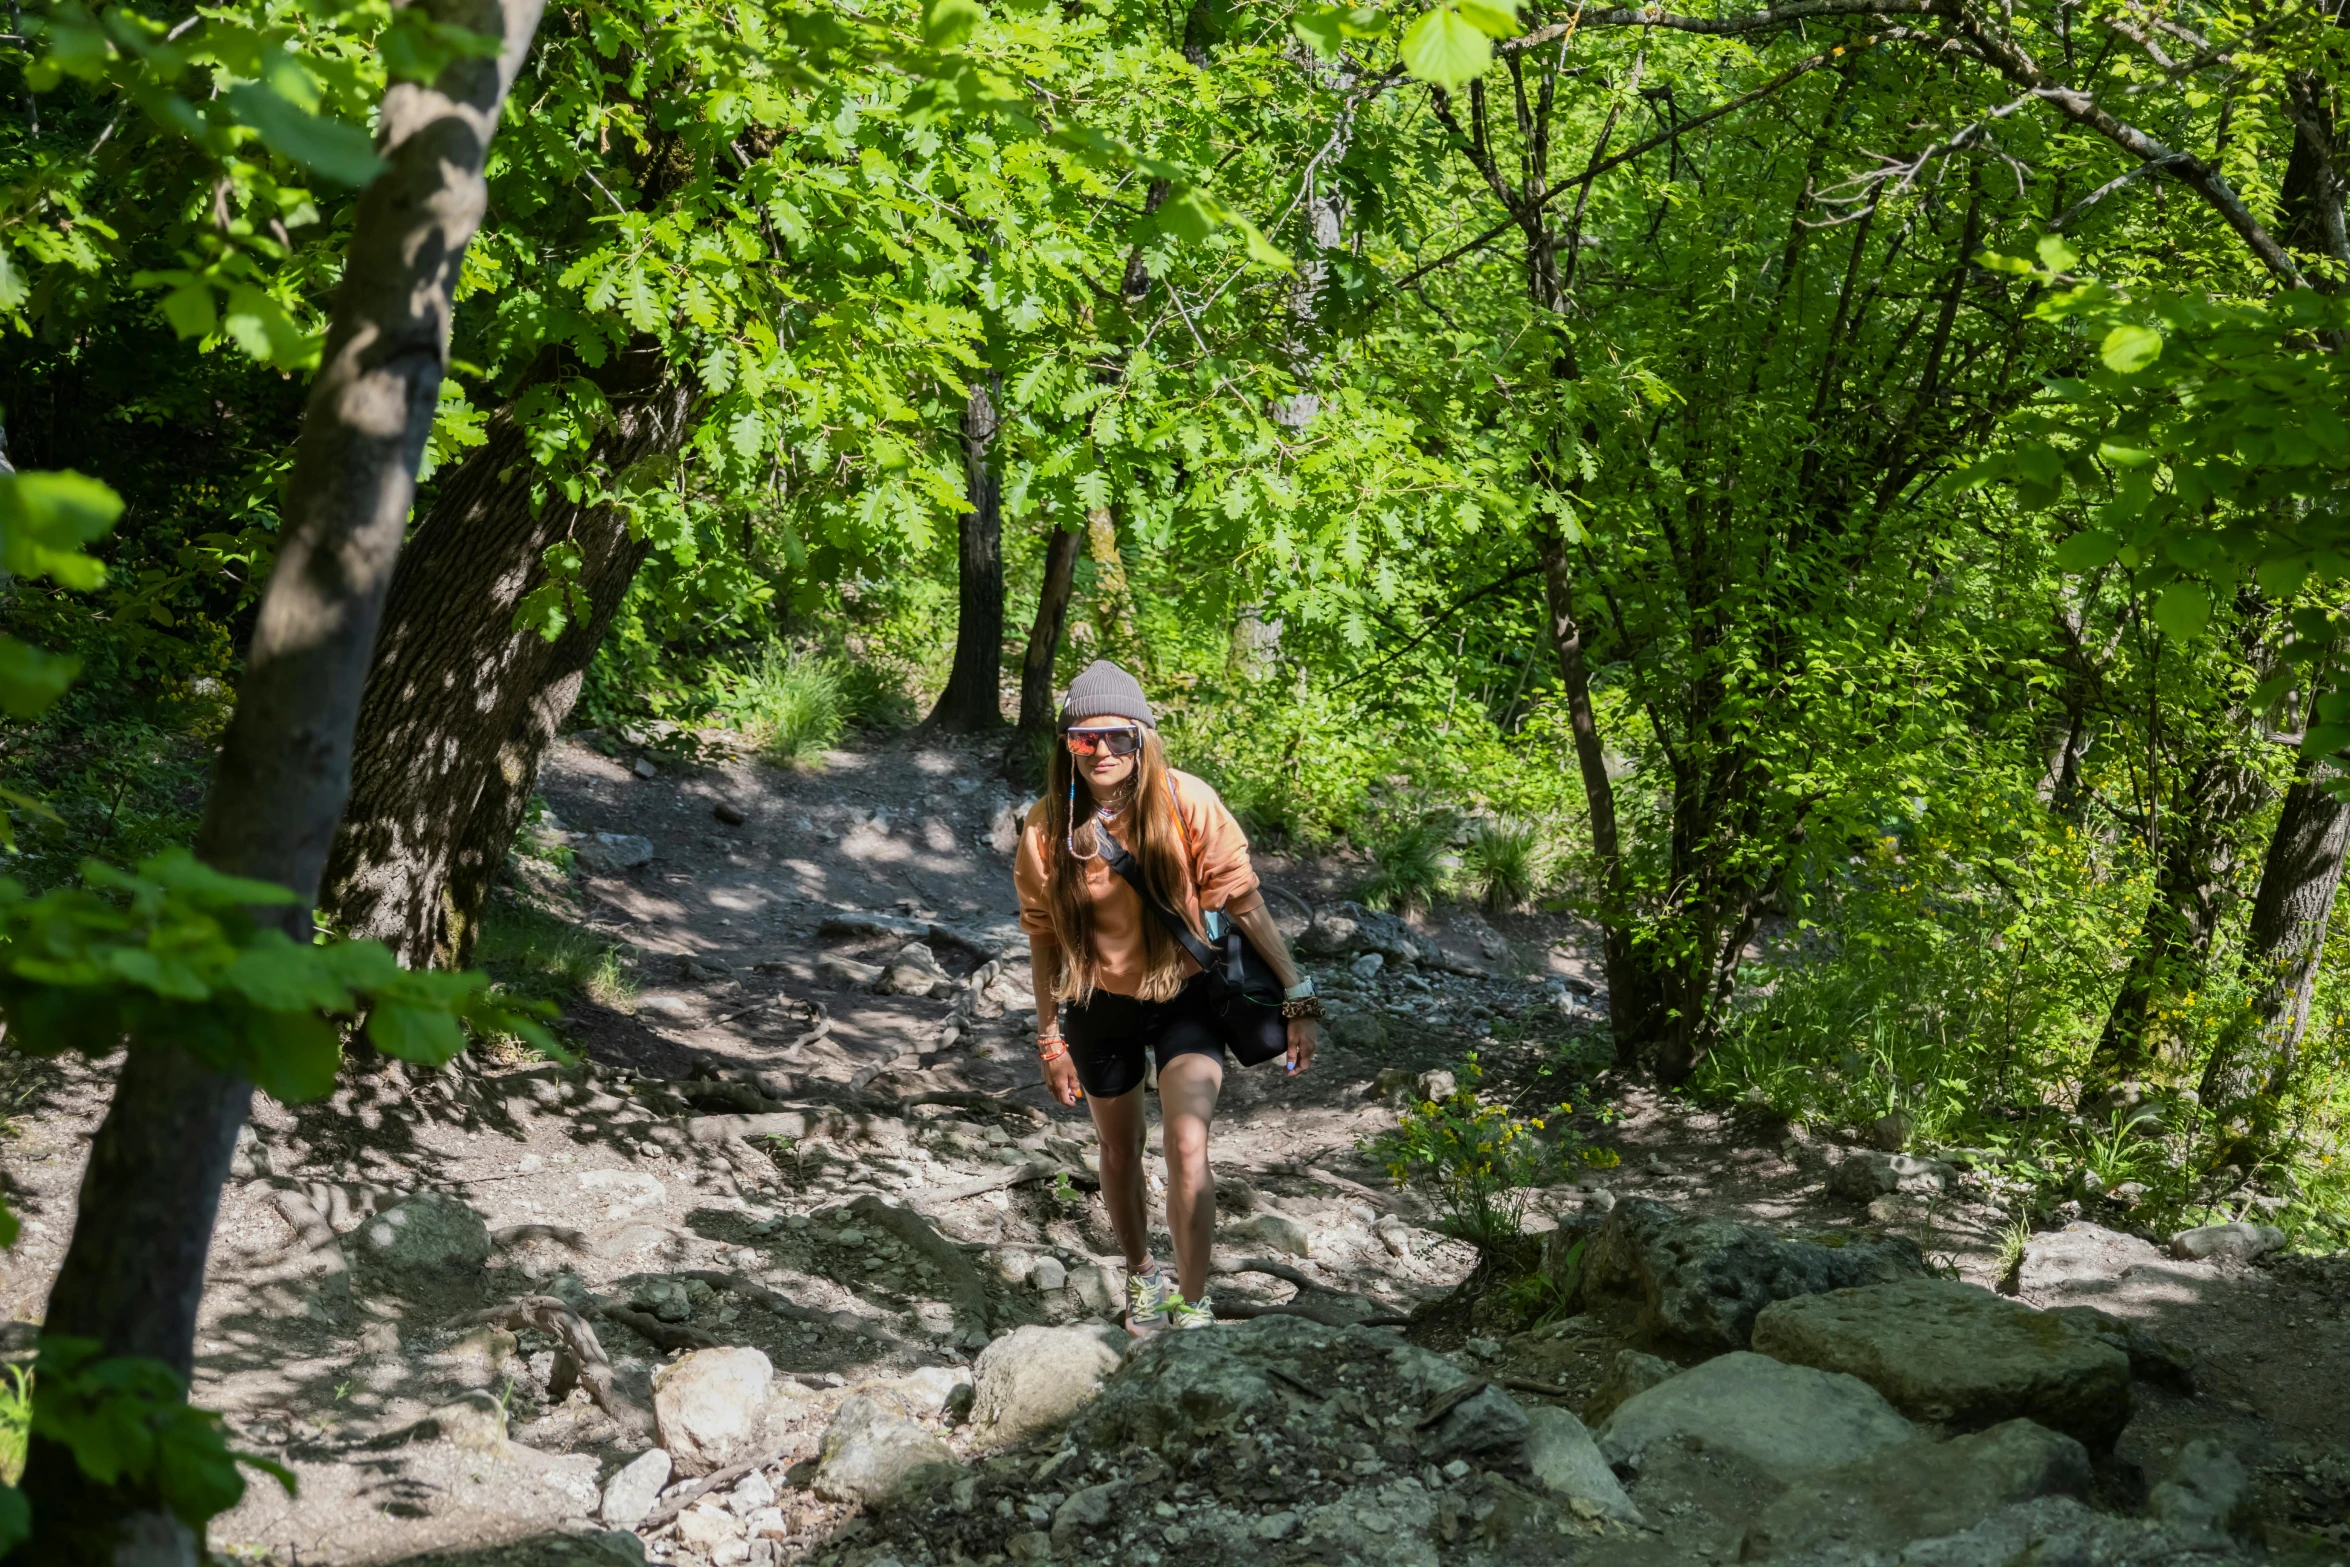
{"x":1823,"y":528}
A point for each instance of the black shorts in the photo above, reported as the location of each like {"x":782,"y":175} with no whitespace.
{"x":1107,"y":1035}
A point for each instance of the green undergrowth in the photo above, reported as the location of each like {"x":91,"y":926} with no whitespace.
{"x":535,"y":954}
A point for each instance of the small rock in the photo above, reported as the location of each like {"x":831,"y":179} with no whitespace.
{"x":1034,"y":1546}
{"x":673,"y":1007}
{"x":1389,"y":1081}
{"x":1084,"y":1513}
{"x":2203,"y":1491}
{"x":427,"y":1234}
{"x":1489,"y":1425}
{"x":475,"y":1422}
{"x":872,"y":1456}
{"x":1868,"y":1174}
{"x":631,"y":1491}
{"x":1921,"y":1490}
{"x":728,"y":812}
{"x":611,"y":852}
{"x":1483,"y":1348}
{"x":1890,"y":1131}
{"x":1566,"y":1462}
{"x":1034,"y":1378}
{"x":1330,"y":934}
{"x":1102,"y":1291}
{"x":837,"y":971}
{"x":708,"y":1406}
{"x":1957,"y":1355}
{"x":1785,"y":1420}
{"x":1628,"y":1375}
{"x":1048,"y":1274}
{"x":915,"y":971}
{"x":1354,"y":1029}
{"x":1367,"y":966}
{"x":705,"y":1527}
{"x":664,"y":1298}
{"x":751,"y":1493}
{"x":2237,"y":1242}
{"x":1281,"y":1525}
{"x":1275,"y":1232}
{"x":1437,"y":1084}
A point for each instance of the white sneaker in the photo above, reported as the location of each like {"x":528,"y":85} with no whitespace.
{"x":1147,"y":1298}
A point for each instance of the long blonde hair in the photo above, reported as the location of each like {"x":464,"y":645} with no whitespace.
{"x":1152,"y":829}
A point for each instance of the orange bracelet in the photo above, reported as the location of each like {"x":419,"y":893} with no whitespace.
{"x":1058,"y":1047}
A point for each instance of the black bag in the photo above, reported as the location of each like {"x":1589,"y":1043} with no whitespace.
{"x":1247,"y":992}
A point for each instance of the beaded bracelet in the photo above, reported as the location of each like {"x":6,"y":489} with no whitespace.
{"x":1051,"y":1047}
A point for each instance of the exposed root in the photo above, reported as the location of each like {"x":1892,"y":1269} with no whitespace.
{"x":583,"y":1354}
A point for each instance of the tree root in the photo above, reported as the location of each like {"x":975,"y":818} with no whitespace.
{"x":581,"y":1348}
{"x":790,"y":1311}
{"x":668,"y":1335}
{"x":685,"y":1496}
{"x":1009,"y":1176}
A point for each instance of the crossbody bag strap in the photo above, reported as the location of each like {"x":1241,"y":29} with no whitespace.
{"x":1115,"y":855}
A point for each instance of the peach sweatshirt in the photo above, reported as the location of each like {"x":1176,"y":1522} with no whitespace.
{"x":1221,"y":878}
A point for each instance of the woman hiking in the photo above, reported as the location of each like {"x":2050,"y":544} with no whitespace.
{"x":1113,"y":981}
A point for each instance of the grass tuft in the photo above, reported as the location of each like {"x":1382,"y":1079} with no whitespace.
{"x":793,"y":706}
{"x":1506,"y":862}
{"x":1409,"y":864}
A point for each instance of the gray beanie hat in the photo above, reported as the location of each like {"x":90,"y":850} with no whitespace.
{"x":1106,"y":691}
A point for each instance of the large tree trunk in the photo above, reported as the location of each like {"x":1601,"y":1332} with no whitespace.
{"x":973,"y":700}
{"x":2174,"y":943}
{"x":134,"y":1272}
{"x":461,"y":704}
{"x":1044,"y":650}
{"x":2245,"y":1081}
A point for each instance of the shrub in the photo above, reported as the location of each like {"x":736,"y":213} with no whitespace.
{"x":792,"y":706}
{"x":535,"y":954}
{"x":1506,"y":862}
{"x":1478,"y":1159}
{"x":1410,"y":866}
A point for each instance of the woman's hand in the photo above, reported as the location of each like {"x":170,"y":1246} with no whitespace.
{"x":1060,"y":1078}
{"x":1303,"y":1036}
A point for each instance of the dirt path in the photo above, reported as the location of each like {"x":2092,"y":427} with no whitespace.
{"x":744,"y":1124}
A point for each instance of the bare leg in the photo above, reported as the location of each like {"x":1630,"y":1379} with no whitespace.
{"x":1188,"y":1086}
{"x":1117,"y":1123}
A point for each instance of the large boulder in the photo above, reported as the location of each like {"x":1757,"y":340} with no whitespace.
{"x":1704,"y":1280}
{"x":1034,"y":1378}
{"x":1919,"y":1490}
{"x":709,"y":1406}
{"x":2080,"y":1259}
{"x":1868,"y":1174}
{"x":1785,"y":1420}
{"x":872,"y":1455}
{"x":1958,"y":1356}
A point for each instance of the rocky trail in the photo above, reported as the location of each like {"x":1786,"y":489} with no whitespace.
{"x":797,"y":1265}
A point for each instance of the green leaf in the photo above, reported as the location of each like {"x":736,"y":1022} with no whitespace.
{"x":2322,"y":740}
{"x":2056,"y":255}
{"x":428,"y":1035}
{"x":947,"y":23}
{"x":2183,"y":610}
{"x":45,"y":519}
{"x":293,"y":1056}
{"x":1494,"y":18}
{"x":1442,"y":48}
{"x":2085,"y":552}
{"x":12,"y":294}
{"x":329,"y":148}
{"x":190,"y":310}
{"x":2128,"y":348}
{"x":2283,"y":576}
{"x":30,"y":680}
{"x":279,"y":975}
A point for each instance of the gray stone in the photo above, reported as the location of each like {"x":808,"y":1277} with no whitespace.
{"x":1704,"y":1280}
{"x":2237,"y":1242}
{"x":1084,"y":1513}
{"x":2058,"y":1531}
{"x":428,"y":1236}
{"x":1367,"y":966}
{"x":1785,"y":1420}
{"x":1566,"y":1462}
{"x":1099,"y":1290}
{"x":1869,"y":1174}
{"x":1890,"y":1131}
{"x":1276,"y":1232}
{"x":835,"y":970}
{"x":1437,"y":1084}
{"x":1488,"y":1426}
{"x":1957,"y":1355}
{"x":1048,"y":1274}
{"x":1034,"y":1378}
{"x":2152,"y":1357}
{"x":915,"y":971}
{"x":1920,"y":1490}
{"x":475,"y":1422}
{"x":1631,"y":1373}
{"x":1331,"y":934}
{"x":708,"y":1406}
{"x":633,"y":1488}
{"x":2078,"y":1254}
{"x":611,"y":852}
{"x":2202,"y":1490}
{"x":873,"y":1456}
{"x":1357,"y":1029}
{"x":665,"y":1298}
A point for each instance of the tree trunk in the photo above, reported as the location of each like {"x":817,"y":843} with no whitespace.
{"x":1044,"y":650}
{"x":2245,"y":1082}
{"x":973,"y":699}
{"x":461,"y":703}
{"x":1633,"y":991}
{"x":1113,"y":595}
{"x":2174,"y":943}
{"x":134,"y":1272}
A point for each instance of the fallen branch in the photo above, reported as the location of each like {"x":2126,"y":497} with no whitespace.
{"x":1278,"y":1270}
{"x":668,"y":1335}
{"x":1529,"y":1385}
{"x":548,"y":1315}
{"x":685,"y":1496}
